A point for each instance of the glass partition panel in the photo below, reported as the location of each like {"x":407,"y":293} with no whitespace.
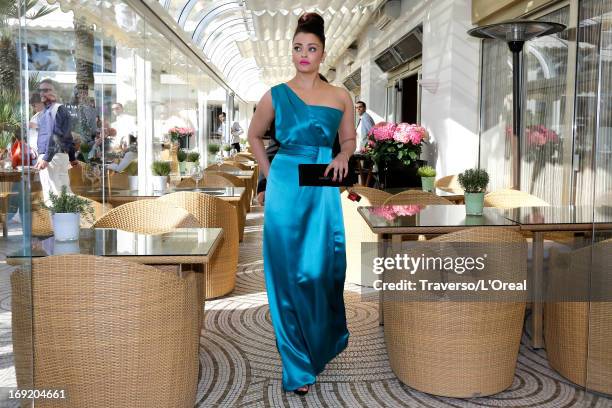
{"x":546,"y":140}
{"x":594,"y":145}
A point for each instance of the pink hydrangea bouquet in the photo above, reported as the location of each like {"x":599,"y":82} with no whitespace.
{"x":395,"y":142}
{"x":542,"y":142}
{"x":177,"y":133}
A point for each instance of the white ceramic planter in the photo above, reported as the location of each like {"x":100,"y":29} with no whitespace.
{"x":188,"y":167}
{"x":133,"y":182}
{"x":66,"y":226}
{"x":66,"y":247}
{"x":159,"y":183}
{"x":226,"y":153}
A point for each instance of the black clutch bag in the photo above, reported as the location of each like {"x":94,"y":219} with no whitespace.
{"x":312,"y":175}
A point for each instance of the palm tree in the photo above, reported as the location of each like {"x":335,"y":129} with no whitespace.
{"x":9,"y":60}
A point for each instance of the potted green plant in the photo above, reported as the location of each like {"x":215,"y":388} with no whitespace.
{"x":213,"y":148}
{"x":181,"y":156}
{"x":132,"y":172}
{"x":161,"y":170}
{"x":66,"y":210}
{"x":192,"y":159}
{"x":474,"y":182}
{"x":226,"y":150}
{"x":428,"y":176}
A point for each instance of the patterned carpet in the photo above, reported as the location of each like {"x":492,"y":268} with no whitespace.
{"x":240,"y":366}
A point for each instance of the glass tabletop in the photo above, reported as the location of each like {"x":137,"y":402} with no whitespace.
{"x":419,"y":217}
{"x":194,"y":242}
{"x":239,"y":173}
{"x":555,"y":215}
{"x":214,"y":191}
{"x":438,"y":191}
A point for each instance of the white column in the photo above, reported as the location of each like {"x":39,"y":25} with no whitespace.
{"x":450,"y":82}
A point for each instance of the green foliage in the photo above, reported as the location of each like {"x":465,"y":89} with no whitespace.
{"x":10,"y":116}
{"x":68,"y":203}
{"x":85,"y":149}
{"x":193,"y":157}
{"x":161,"y":168}
{"x":227,"y":148}
{"x":426,"y":171}
{"x":6,"y":139}
{"x":213,"y":148}
{"x":474,"y":180}
{"x":181,"y":155}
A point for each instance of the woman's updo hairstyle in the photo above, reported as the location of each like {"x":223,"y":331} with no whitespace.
{"x":311,"y":23}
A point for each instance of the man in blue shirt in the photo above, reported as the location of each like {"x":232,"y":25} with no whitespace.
{"x":55,"y":143}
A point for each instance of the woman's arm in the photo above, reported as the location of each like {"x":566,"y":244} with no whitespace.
{"x":263,"y":117}
{"x":347,"y":138}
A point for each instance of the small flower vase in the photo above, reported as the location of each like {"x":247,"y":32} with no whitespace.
{"x":427,"y":183}
{"x":474,"y":203}
{"x":182,"y":167}
{"x":174,"y":163}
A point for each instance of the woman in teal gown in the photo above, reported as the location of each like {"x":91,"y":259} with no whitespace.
{"x":304,"y":243}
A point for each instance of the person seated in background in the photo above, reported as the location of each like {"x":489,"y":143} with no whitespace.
{"x":130,"y":154}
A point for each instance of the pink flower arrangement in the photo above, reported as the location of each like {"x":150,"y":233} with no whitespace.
{"x":395,"y":142}
{"x":539,"y":135}
{"x":391,"y":212}
{"x":177,"y":133}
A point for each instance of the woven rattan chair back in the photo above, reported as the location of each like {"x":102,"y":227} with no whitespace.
{"x":578,"y":333}
{"x":147,"y":217}
{"x":112,"y":333}
{"x":117,"y":181}
{"x":449,"y":183}
{"x":461,"y":349}
{"x":213,"y":212}
{"x":75,"y":174}
{"x":509,"y":198}
{"x":357,"y":231}
{"x":217,"y":179}
{"x":416,"y":197}
{"x":237,"y":164}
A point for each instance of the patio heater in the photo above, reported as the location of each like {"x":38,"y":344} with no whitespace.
{"x":515,"y":33}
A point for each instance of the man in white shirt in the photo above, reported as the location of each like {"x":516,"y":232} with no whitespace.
{"x":233,"y":138}
{"x":363,"y":126}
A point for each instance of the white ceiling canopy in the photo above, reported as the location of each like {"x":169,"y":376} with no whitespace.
{"x":250,"y":41}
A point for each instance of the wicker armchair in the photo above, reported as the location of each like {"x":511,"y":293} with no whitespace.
{"x":147,"y":217}
{"x":212,"y":179}
{"x":509,"y":198}
{"x":460,"y":349}
{"x":220,"y":277}
{"x":578,"y":333}
{"x":449,"y":183}
{"x":357,"y":231}
{"x":416,"y":197}
{"x":120,"y":335}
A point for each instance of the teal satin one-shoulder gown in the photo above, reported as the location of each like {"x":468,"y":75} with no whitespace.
{"x":304,"y":245}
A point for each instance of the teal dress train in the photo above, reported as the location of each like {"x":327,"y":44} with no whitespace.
{"x":304,"y":245}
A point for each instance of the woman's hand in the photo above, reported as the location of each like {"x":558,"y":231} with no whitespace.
{"x":339,"y":166}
